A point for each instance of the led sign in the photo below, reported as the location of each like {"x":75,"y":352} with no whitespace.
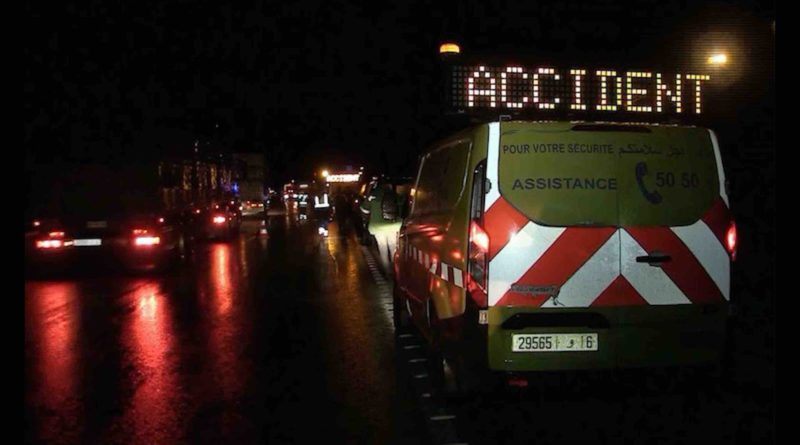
{"x":345,"y":177}
{"x":575,"y":90}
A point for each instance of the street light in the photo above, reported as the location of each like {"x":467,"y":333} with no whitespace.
{"x":324,"y":173}
{"x":449,"y":48}
{"x":718,"y":59}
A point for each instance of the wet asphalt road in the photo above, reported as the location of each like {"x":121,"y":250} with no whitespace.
{"x":276,"y":340}
{"x":288,"y":339}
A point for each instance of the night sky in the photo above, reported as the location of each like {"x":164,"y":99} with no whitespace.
{"x":312,"y":83}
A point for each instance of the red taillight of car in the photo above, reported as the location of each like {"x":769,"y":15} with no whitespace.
{"x":219,"y":219}
{"x":478,"y":255}
{"x":55,"y":240}
{"x":50,"y":244}
{"x":731,"y":240}
{"x":146,"y":240}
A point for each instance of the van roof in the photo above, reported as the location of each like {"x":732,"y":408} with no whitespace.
{"x":582,"y":122}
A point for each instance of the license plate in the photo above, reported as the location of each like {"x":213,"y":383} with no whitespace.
{"x":554,"y":342}
{"x":87,"y":242}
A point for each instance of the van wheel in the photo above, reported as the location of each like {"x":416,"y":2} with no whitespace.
{"x":400,"y":317}
{"x":450,"y":373}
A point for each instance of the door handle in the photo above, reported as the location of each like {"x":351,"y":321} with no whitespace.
{"x":655,"y":259}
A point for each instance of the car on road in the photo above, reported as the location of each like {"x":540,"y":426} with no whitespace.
{"x":220,"y":221}
{"x":134,"y":241}
{"x":126,"y":213}
{"x":251,"y":207}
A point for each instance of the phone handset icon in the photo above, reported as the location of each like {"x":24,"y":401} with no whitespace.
{"x":641,"y":172}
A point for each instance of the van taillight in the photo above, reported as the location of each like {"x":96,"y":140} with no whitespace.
{"x":478,"y":254}
{"x":219,"y":219}
{"x":731,"y":240}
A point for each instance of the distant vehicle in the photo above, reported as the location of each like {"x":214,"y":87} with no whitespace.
{"x":250,"y":207}
{"x":380,"y":214}
{"x":221,"y":221}
{"x":138,"y":214}
{"x":547,"y":246}
{"x":250,"y":181}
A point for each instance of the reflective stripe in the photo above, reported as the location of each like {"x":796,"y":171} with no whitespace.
{"x":650,"y":282}
{"x":449,"y":273}
{"x":619,"y":293}
{"x":562,"y":259}
{"x":684,"y":269}
{"x":501,"y":222}
{"x":709,"y":252}
{"x":521,"y":252}
{"x":323,"y":203}
{"x":718,"y":219}
{"x":592,"y":278}
{"x":492,"y":162}
{"x":720,"y":172}
{"x":458,"y":277}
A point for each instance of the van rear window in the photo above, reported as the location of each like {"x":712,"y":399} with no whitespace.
{"x":558,"y":176}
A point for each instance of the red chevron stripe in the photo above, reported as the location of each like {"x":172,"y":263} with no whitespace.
{"x":559,"y":262}
{"x":619,"y":293}
{"x":684,"y":269}
{"x":502,"y":221}
{"x":718,"y":218}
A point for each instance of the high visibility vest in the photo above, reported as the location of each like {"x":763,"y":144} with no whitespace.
{"x":323,"y":203}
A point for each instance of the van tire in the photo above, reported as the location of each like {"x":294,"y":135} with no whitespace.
{"x":460,"y":382}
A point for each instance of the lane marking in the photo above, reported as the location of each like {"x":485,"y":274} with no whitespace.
{"x":443,"y":417}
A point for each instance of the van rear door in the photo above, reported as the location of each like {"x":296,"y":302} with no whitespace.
{"x":673,"y":214}
{"x":606,"y":215}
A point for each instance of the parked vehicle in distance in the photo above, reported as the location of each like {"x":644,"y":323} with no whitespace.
{"x":380,"y":215}
{"x":221,"y":221}
{"x":139,"y":214}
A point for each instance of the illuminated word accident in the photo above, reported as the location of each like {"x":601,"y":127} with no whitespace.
{"x":577,"y":90}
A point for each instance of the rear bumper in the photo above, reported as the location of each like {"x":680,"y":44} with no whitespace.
{"x":128,"y":257}
{"x":629,"y":337}
{"x":216,"y":231}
